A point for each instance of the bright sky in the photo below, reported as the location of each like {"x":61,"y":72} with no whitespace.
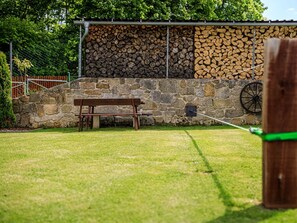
{"x":280,"y":9}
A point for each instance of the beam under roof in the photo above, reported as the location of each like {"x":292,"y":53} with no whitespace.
{"x":190,"y":23}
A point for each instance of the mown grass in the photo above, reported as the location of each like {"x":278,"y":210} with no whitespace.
{"x":156,"y":174}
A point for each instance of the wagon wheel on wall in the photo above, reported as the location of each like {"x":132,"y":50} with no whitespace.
{"x":251,"y":97}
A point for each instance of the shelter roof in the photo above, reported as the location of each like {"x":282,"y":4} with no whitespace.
{"x":187,"y":22}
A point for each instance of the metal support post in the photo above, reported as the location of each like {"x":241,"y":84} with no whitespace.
{"x":10,"y":64}
{"x":27,"y":85}
{"x":167,"y":53}
{"x":81,"y":39}
{"x":10,"y":57}
{"x":253,"y":53}
{"x":79,"y":53}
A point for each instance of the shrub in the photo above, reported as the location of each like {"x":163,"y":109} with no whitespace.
{"x":7,"y":117}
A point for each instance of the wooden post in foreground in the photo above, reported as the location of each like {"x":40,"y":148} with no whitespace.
{"x":280,"y":115}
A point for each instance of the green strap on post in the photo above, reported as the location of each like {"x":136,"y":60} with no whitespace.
{"x":281,"y":136}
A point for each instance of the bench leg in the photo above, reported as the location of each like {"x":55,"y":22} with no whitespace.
{"x":96,"y":122}
{"x":135,"y":117}
{"x":88,"y":122}
{"x":80,"y":123}
{"x":136,"y":122}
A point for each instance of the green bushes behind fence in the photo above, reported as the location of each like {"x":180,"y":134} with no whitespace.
{"x":7,"y":117}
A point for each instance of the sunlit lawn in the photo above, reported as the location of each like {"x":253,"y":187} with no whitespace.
{"x":156,"y":174}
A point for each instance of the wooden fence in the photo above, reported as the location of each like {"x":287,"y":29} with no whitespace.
{"x":25,"y":85}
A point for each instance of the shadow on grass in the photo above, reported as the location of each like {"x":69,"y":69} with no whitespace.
{"x":256,"y":213}
{"x":223,"y":194}
{"x":252,"y":214}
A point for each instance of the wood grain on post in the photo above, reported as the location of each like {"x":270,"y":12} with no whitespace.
{"x":280,"y":115}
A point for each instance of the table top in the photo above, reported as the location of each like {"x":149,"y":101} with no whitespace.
{"x":107,"y":101}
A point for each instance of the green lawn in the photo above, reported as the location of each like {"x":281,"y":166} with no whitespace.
{"x":156,"y":174}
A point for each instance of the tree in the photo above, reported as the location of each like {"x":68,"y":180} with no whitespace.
{"x":240,"y":10}
{"x":21,"y":32}
{"x":49,"y":12}
{"x":7,"y":118}
{"x":25,"y":9}
{"x":46,"y":26}
{"x":23,"y":65}
{"x":174,"y":10}
{"x":45,"y":49}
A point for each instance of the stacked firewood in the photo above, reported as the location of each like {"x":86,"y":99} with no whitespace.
{"x":138,"y":51}
{"x":125,"y":51}
{"x":265,"y":32}
{"x":212,"y":52}
{"x":181,"y":48}
{"x":230,"y":52}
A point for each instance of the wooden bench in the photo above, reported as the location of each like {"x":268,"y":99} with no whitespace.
{"x":90,"y":104}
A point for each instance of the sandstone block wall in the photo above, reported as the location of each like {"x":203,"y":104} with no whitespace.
{"x":164,"y":98}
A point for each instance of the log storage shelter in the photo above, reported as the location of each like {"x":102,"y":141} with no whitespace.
{"x":204,"y":50}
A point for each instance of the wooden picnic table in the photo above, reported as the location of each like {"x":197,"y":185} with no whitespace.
{"x":90,"y":104}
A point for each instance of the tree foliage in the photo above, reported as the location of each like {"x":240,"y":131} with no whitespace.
{"x":174,"y":10}
{"x":7,"y":118}
{"x":23,"y":65}
{"x":46,"y":26}
{"x":240,"y":10}
{"x":46,"y":49}
{"x":22,"y":32}
{"x":50,"y":11}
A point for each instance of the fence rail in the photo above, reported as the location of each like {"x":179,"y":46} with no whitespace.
{"x":25,"y":85}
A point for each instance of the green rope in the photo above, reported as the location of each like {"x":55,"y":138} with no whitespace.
{"x":281,"y":136}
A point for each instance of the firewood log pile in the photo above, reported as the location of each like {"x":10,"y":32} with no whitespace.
{"x":139,"y":51}
{"x":210,"y":52}
{"x":181,"y":46}
{"x":228,"y":52}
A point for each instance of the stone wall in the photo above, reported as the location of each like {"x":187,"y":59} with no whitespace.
{"x":164,"y":98}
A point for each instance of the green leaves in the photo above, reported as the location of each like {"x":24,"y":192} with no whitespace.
{"x":240,"y":10}
{"x":55,"y":12}
{"x":45,"y":27}
{"x":23,"y":65}
{"x":174,"y":10}
{"x":7,"y":118}
{"x":21,"y":32}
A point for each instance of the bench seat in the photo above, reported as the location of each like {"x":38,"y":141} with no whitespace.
{"x":114,"y":114}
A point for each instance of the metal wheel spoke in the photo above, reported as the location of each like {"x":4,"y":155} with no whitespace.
{"x":252,"y":90}
{"x":246,"y":102}
{"x":259,"y":105}
{"x":255,"y":106}
{"x":245,"y":91}
{"x":250,"y":106}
